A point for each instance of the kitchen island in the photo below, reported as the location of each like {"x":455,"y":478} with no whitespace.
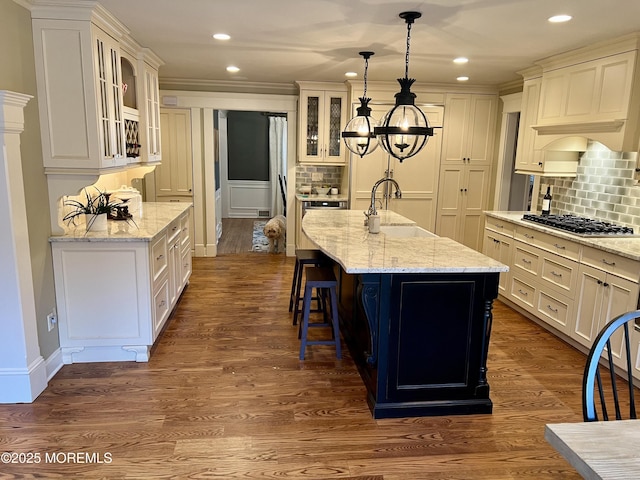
{"x":415,"y":312}
{"x":116,"y":289}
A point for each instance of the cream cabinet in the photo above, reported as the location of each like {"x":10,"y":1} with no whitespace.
{"x":322,"y":117}
{"x":151,"y":136}
{"x":527,"y":161}
{"x":469,"y":129}
{"x":302,"y":241}
{"x":572,"y":287}
{"x":173,"y":177}
{"x":595,"y":91}
{"x":79,"y":83}
{"x":114,"y":297}
{"x":417,"y":176}
{"x":463,"y":193}
{"x":498,"y":244}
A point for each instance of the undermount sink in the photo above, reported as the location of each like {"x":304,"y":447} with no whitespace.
{"x":404,"y":231}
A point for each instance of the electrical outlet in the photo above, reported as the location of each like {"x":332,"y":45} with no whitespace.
{"x":52,"y":320}
{"x":316,"y":176}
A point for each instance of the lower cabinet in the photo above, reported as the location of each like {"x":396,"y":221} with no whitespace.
{"x":574,"y":288}
{"x":114,"y":297}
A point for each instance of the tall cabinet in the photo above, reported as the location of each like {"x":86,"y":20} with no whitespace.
{"x":465,"y":168}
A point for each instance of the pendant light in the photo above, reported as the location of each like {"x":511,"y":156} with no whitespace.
{"x":359,"y":136}
{"x":404,"y":130}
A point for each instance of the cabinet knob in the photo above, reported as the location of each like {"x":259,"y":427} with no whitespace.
{"x":539,"y":164}
{"x":599,"y":282}
{"x":605,"y":284}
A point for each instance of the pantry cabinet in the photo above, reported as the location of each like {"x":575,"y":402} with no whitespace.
{"x":174,"y":177}
{"x":527,"y":161}
{"x":322,"y":118}
{"x":469,"y":129}
{"x":462,"y":198}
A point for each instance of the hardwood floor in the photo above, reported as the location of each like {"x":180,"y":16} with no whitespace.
{"x":224,"y":396}
{"x":237,"y":235}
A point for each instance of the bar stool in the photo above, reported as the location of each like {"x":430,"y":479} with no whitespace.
{"x":304,"y":258}
{"x":323,"y":280}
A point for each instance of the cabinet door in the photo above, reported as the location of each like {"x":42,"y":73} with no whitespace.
{"x":174,"y":175}
{"x":500,"y":248}
{"x":475,"y":195}
{"x":450,"y":201}
{"x":469,"y":129}
{"x":152,"y":140}
{"x":109,"y":90}
{"x":589,"y":302}
{"x":526,"y":135}
{"x":322,"y":119}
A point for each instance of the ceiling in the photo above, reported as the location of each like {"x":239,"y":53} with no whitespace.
{"x":281,"y":41}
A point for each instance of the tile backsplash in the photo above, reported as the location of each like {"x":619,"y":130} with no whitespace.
{"x":331,"y":175}
{"x":604,"y":187}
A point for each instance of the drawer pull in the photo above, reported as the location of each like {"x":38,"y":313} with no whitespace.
{"x":554,"y":310}
{"x":561,"y":247}
{"x":524,"y":260}
{"x":523,"y":293}
{"x":611,"y":264}
{"x":528,"y":236}
{"x":499,"y":226}
{"x":556,"y":274}
{"x":161,"y":304}
{"x":159,"y":257}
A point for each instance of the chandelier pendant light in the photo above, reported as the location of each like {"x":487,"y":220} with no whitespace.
{"x":405,"y":129}
{"x":359,"y":134}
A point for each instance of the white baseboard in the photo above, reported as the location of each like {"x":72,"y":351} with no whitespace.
{"x":54,"y":363}
{"x":23,"y":385}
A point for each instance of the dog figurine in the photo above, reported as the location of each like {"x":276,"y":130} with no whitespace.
{"x":276,"y":230}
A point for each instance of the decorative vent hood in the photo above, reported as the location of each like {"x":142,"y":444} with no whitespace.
{"x":593,"y":92}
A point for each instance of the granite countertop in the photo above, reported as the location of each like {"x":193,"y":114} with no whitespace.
{"x":628,"y":247}
{"x":341,"y":235}
{"x":156,"y":216}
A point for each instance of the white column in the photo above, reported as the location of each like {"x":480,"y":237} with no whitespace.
{"x":22,"y":369}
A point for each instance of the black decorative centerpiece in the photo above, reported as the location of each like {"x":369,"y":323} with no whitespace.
{"x":96,"y":209}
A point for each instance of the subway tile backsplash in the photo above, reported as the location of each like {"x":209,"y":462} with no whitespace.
{"x":331,"y":175}
{"x":604,"y":188}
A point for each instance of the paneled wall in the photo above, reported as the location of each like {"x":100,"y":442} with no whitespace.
{"x":604,"y":187}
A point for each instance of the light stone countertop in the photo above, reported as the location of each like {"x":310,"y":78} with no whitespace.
{"x":341,"y":235}
{"x":628,"y":247}
{"x":323,"y":198}
{"x":156,"y":216}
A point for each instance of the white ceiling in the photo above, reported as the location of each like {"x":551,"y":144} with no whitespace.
{"x":280,"y":41}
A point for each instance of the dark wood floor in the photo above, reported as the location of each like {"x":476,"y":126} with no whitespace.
{"x":225,"y":396}
{"x":237,"y":235}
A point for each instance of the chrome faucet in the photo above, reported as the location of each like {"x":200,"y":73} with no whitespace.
{"x":372,"y":207}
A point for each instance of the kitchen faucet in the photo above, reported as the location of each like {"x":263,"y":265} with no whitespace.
{"x":372,"y":207}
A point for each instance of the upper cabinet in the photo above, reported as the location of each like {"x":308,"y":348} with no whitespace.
{"x":469,"y":129}
{"x":322,"y":113}
{"x":85,"y":126}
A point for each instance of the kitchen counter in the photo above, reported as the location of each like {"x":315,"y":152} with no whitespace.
{"x":156,"y":216}
{"x":342,"y":236}
{"x":628,"y":247}
{"x":415,"y":313}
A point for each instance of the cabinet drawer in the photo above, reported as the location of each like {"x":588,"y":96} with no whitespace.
{"x":173,"y":230}
{"x":551,"y":243}
{"x":526,"y":259}
{"x":500,"y":226}
{"x":159,"y":257}
{"x":611,"y":263}
{"x":522,"y":291}
{"x":555,"y":310}
{"x":560,"y":272}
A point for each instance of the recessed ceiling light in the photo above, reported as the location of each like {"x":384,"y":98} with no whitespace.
{"x":232,"y":69}
{"x":560,"y":18}
{"x":351,"y":74}
{"x":221,"y":36}
{"x":460,"y":60}
{"x":462,"y":79}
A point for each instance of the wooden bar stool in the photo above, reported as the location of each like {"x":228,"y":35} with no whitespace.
{"x":304,"y":258}
{"x":324,"y":281}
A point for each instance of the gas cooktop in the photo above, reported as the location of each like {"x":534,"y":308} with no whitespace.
{"x":582,"y":226}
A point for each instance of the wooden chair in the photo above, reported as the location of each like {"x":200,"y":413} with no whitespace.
{"x":616,"y":337}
